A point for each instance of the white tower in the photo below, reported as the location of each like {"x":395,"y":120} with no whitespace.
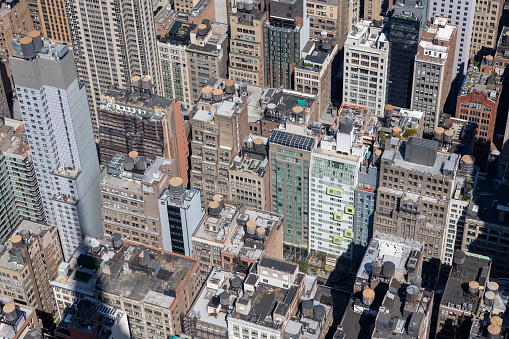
{"x":57,"y":121}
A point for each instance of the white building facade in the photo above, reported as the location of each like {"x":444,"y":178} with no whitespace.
{"x":59,"y":129}
{"x":365,"y":66}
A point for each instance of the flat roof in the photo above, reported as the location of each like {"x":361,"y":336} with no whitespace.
{"x":278,"y":265}
{"x":455,"y":293}
{"x":292,"y":140}
{"x":225,"y":225}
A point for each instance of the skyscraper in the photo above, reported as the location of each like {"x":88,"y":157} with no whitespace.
{"x":111,"y":44}
{"x":57,"y":122}
{"x":434,"y":71}
{"x":461,"y":14}
{"x":285,"y":34}
{"x":404,"y":30}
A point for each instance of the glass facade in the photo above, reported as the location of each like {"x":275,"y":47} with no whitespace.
{"x":176,"y":232}
{"x":403,"y":43}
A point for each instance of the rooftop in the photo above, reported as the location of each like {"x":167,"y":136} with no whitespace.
{"x":490,"y":202}
{"x":368,"y":34}
{"x":173,"y":30}
{"x":211,"y":42}
{"x":17,"y":327}
{"x":444,"y":162}
{"x":140,"y":102}
{"x":475,"y":80}
{"x":152,"y":277}
{"x":405,"y":314}
{"x":406,"y":255}
{"x":315,"y":54}
{"x":218,"y":228}
{"x":502,"y":51}
{"x":251,"y":245}
{"x":133,"y":179}
{"x":8,"y":258}
{"x":86,"y":317}
{"x":456,"y":293}
{"x":11,"y":140}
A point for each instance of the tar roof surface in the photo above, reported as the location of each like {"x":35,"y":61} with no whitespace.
{"x":277,"y":265}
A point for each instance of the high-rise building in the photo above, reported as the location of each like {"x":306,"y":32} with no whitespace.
{"x":28,"y":264}
{"x":20,"y":194}
{"x":333,"y":177}
{"x":366,"y":58}
{"x":218,"y":128}
{"x":111,"y":45}
{"x":57,"y":123}
{"x":404,"y":31}
{"x":465,"y":294}
{"x":372,"y":9}
{"x":248,"y":182}
{"x":413,"y":197}
{"x":24,"y":320}
{"x":139,"y":121}
{"x":130,"y":193}
{"x":247,"y":62}
{"x":330,"y":17}
{"x":180,"y":212}
{"x":487,"y":17}
{"x":284,"y":34}
{"x":290,"y":157}
{"x":313,"y":74}
{"x":154,"y":287}
{"x":16,"y":22}
{"x":353,"y":14}
{"x":478,"y":102}
{"x":51,"y":19}
{"x":433,"y":71}
{"x":172,"y":44}
{"x":462,"y":14}
{"x":207,"y":55}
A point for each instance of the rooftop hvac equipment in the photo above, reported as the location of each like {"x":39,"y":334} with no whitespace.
{"x":251,"y":226}
{"x":368,"y":296}
{"x":176,"y":186}
{"x":116,"y":240}
{"x":411,"y":293}
{"x":416,"y":281}
{"x":36,"y":40}
{"x":242,"y":220}
{"x":242,"y":88}
{"x":35,"y":333}
{"x":307,"y":308}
